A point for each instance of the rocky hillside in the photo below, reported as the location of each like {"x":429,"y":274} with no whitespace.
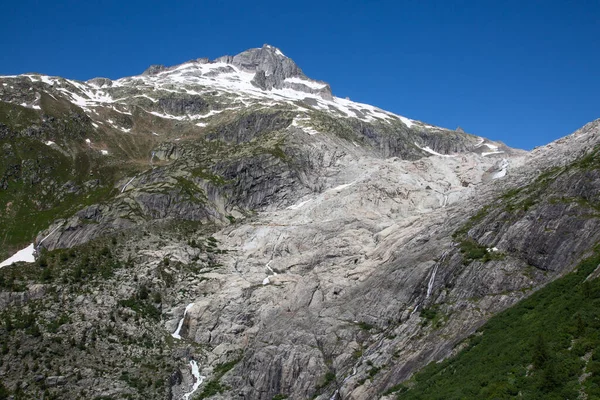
{"x":230,"y":229}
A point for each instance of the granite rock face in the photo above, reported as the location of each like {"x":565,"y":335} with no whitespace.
{"x":352,"y":271}
{"x":230,"y":225}
{"x":268,"y":60}
{"x":272,"y":68}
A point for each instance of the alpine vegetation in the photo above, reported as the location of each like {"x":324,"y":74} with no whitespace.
{"x":230,"y":228}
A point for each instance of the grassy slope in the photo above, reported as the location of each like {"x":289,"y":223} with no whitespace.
{"x":38,"y":178}
{"x":534,"y":350}
{"x":29,"y":206}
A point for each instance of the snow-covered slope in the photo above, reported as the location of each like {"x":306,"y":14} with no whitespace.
{"x":25,"y":255}
{"x":233,"y":87}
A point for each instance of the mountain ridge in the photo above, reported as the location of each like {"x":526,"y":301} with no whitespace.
{"x":145,"y":106}
{"x":265,"y":59}
{"x":199,"y":235}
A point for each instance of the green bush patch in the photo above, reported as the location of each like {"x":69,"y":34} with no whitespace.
{"x":533,"y":350}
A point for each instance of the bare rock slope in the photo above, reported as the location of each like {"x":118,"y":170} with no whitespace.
{"x":230,"y":229}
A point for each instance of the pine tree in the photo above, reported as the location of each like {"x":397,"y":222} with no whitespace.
{"x":579,"y":326}
{"x":540,"y":352}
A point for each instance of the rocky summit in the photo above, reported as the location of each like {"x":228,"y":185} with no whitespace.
{"x":230,"y":229}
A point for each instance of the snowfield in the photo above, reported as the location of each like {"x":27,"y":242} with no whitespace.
{"x":25,"y":255}
{"x":201,"y":78}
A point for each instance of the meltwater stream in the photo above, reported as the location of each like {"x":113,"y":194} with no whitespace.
{"x":176,"y":334}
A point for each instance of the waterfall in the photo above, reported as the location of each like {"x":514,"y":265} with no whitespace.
{"x":176,"y":334}
{"x":198,"y":379}
{"x":127,"y":184}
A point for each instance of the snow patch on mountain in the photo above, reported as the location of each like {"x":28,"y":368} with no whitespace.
{"x":431,"y":151}
{"x":301,"y":123}
{"x":503,"y":169}
{"x":24,"y":255}
{"x":299,"y":205}
{"x":407,"y":122}
{"x":309,"y":83}
{"x":489,"y":153}
{"x":220,"y":78}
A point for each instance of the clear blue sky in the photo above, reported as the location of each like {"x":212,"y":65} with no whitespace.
{"x":524,"y":72}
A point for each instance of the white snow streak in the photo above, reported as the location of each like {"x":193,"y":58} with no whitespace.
{"x":267,"y":280}
{"x":298,"y":123}
{"x":167,"y":116}
{"x":406,"y":121}
{"x":491,"y":152}
{"x":341,"y":187}
{"x":299,"y":205}
{"x":499,"y":174}
{"x":431,"y":151}
{"x":32,"y":106}
{"x":310,"y":83}
{"x":48,"y":80}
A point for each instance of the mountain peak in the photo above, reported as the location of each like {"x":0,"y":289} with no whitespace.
{"x":274,"y":49}
{"x":268,"y":59}
{"x":272,"y":68}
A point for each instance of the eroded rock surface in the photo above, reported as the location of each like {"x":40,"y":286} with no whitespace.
{"x":230,"y":226}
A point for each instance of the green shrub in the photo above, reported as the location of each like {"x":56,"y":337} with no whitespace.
{"x":531,"y":350}
{"x":211,"y":388}
{"x":365,"y":326}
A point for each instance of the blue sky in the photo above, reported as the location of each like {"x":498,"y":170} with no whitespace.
{"x":524,"y":72}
